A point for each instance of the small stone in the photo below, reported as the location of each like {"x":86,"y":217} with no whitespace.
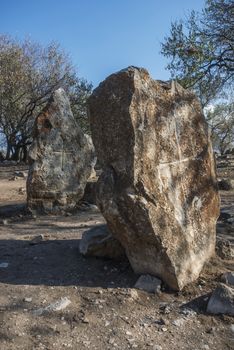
{"x":98,"y":241}
{"x":56,"y":306}
{"x":228,"y":278}
{"x":205,"y":347}
{"x":111,"y":340}
{"x":133,"y":294}
{"x":188,"y":312}
{"x":221,"y":301}
{"x":157,"y":347}
{"x":28,"y":300}
{"x":4,"y":265}
{"x":107,"y":323}
{"x":4,"y":222}
{"x":37,"y":239}
{"x":128,"y":333}
{"x":211,"y":330}
{"x":148,"y":283}
{"x":85,"y":320}
{"x":178,"y":322}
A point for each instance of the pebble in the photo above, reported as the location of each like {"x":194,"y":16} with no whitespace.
{"x":4,"y":222}
{"x":111,"y":340}
{"x":85,"y":320}
{"x":188,"y":312}
{"x":148,"y":283}
{"x":28,"y":300}
{"x":4,"y":265}
{"x":178,"y":322}
{"x":228,"y":278}
{"x":56,"y":306}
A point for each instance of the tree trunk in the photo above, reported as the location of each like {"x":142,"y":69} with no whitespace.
{"x":8,"y":153}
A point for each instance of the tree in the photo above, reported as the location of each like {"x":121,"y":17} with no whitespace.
{"x":221,"y":121}
{"x":201,"y":49}
{"x":29,"y":74}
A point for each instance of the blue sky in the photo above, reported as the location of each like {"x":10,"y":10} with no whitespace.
{"x":102,"y":36}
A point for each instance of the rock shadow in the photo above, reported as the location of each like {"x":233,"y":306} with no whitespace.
{"x":59,"y":263}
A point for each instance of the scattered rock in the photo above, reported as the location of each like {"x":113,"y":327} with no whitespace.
{"x":22,"y":190}
{"x":228,"y":278}
{"x":37,"y":239}
{"x":4,"y":265}
{"x":148,"y":283}
{"x":133,"y":294}
{"x":163,"y":210}
{"x":188,"y":312}
{"x":178,"y":322}
{"x":225,"y":185}
{"x":61,"y":158}
{"x":157,"y":347}
{"x":4,"y":222}
{"x":13,"y":178}
{"x":21,"y":174}
{"x":98,"y":241}
{"x":221,"y":301}
{"x":56,"y":306}
{"x":28,"y":300}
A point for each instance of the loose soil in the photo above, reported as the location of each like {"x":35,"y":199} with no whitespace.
{"x":105,"y":312}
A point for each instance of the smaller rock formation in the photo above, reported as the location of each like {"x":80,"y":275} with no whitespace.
{"x":98,"y":241}
{"x":228,"y":278}
{"x":61,"y":158}
{"x":221,"y":301}
{"x":148,"y":283}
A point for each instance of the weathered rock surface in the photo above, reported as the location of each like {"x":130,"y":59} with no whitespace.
{"x":158,"y":190}
{"x":224,"y":249}
{"x":228,"y":278}
{"x":221,"y":301}
{"x":98,"y":241}
{"x":61,"y":158}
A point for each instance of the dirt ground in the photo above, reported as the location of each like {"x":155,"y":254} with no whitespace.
{"x":105,"y":311}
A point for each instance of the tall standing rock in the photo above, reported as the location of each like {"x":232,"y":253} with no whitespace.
{"x":158,"y":189}
{"x":61,"y":158}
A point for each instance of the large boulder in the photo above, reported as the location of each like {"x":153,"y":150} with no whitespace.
{"x":61,"y":158}
{"x":158,"y":190}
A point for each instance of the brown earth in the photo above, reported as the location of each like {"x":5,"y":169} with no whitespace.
{"x":105,"y":312}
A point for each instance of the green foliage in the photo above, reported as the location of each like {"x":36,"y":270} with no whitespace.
{"x":29,"y":74}
{"x":221,"y":122}
{"x":201,"y":49}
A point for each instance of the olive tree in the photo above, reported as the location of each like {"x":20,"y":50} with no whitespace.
{"x":200,"y":49}
{"x":29,"y":74}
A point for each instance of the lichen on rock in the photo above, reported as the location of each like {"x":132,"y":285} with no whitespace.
{"x":61,"y":158}
{"x":158,"y":190}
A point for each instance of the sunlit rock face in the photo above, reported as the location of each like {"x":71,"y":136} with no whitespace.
{"x":61,"y":158}
{"x":158,"y":189}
